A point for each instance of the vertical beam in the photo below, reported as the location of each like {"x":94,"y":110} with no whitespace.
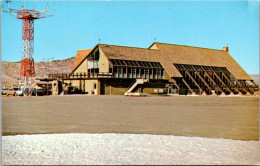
{"x":79,"y":84}
{"x":93,"y":65}
{"x":112,"y":71}
{"x":84,"y":85}
{"x":126,"y":72}
{"x":168,"y":88}
{"x":117,"y":73}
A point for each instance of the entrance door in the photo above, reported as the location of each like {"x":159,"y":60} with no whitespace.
{"x":59,"y":87}
{"x":102,"y":87}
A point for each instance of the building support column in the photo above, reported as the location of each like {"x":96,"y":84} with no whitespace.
{"x":232,"y":82}
{"x":187,"y":85}
{"x":239,"y":83}
{"x":84,"y":85}
{"x":203,"y":80}
{"x":201,"y":91}
{"x":221,"y":81}
{"x":212,"y":80}
{"x":175,"y":83}
{"x":196,"y":73}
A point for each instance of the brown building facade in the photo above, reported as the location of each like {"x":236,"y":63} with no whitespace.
{"x":161,"y":68}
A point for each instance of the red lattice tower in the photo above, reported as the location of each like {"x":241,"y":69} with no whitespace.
{"x":27,"y":64}
{"x":27,"y":71}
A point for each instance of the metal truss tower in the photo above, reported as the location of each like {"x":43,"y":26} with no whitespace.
{"x":27,"y":71}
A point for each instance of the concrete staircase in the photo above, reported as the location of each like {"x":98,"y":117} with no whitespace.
{"x":133,"y":85}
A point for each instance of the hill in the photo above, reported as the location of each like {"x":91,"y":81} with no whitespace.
{"x":11,"y":70}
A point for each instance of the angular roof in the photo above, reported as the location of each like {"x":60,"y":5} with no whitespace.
{"x":200,"y":56}
{"x":129,"y":53}
{"x":81,"y":55}
{"x":167,"y":54}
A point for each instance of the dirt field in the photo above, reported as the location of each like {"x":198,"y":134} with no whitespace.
{"x":213,"y":117}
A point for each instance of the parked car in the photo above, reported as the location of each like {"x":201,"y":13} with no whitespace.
{"x":4,"y":91}
{"x":10,"y":92}
{"x":19,"y":92}
{"x":38,"y":91}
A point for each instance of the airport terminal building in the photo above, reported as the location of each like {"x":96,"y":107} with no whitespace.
{"x":161,"y":68}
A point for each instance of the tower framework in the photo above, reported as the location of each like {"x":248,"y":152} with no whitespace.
{"x":27,"y":70}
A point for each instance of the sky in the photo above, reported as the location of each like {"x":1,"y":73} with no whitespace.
{"x":82,"y":24}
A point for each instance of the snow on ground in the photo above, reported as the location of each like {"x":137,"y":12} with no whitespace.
{"x":71,"y":149}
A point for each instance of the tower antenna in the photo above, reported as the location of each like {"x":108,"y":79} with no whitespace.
{"x":27,"y":70}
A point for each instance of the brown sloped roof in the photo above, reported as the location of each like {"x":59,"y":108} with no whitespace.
{"x":129,"y":53}
{"x":134,"y":53}
{"x":81,"y":55}
{"x":167,"y":54}
{"x":141,"y":54}
{"x":200,"y":56}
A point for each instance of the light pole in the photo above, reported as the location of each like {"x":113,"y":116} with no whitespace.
{"x":47,"y":60}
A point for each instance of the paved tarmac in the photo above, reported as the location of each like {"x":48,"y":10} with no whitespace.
{"x":202,"y":116}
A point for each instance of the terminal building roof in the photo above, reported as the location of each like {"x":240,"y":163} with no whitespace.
{"x":168,"y":55}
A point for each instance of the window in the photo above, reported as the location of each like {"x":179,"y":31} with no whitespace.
{"x":128,"y":63}
{"x":135,"y":69}
{"x":136,"y":63}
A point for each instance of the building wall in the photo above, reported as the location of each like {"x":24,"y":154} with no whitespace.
{"x":154,"y":47}
{"x":86,"y":86}
{"x":89,"y":87}
{"x":108,"y":86}
{"x":110,"y":90}
{"x":74,"y":83}
{"x":54,"y":87}
{"x":167,"y":77}
{"x":83,"y":68}
{"x":120,"y":86}
{"x":121,"y":91}
{"x":103,"y":63}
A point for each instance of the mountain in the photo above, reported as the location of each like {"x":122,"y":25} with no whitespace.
{"x":11,"y":70}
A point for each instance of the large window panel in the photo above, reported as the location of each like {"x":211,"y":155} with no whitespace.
{"x":136,"y":69}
